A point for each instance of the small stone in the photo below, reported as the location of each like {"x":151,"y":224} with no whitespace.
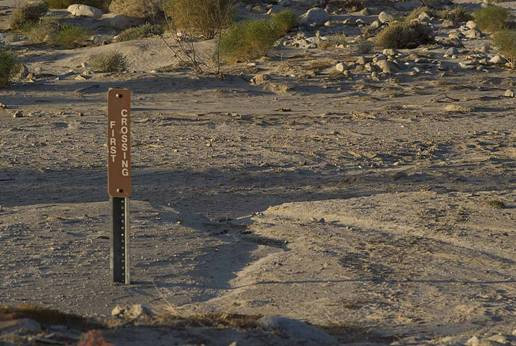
{"x":497,"y":60}
{"x":17,"y":114}
{"x":471,"y":25}
{"x":340,"y":67}
{"x":364,"y":12}
{"x":375,"y":24}
{"x":117,"y":311}
{"x":139,"y":310}
{"x":472,"y":34}
{"x":387,"y":66}
{"x":473,"y":341}
{"x":361,"y":60}
{"x":448,"y":24}
{"x":3,"y":106}
{"x":424,"y":17}
{"x":385,"y":17}
{"x":389,"y":52}
{"x":500,"y":339}
{"x":508,"y":93}
{"x":451,"y":52}
{"x":454,"y":108}
{"x":260,"y":78}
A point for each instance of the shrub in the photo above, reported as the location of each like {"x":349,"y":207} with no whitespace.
{"x":109,"y":62}
{"x":148,"y":9}
{"x":142,"y":31}
{"x":102,"y":4}
{"x":7,"y":66}
{"x":253,"y":38}
{"x":415,"y":13}
{"x":247,"y":40}
{"x":491,"y":18}
{"x":506,"y":42}
{"x":48,"y":30}
{"x":283,"y":22}
{"x":200,"y":17}
{"x":27,"y":14}
{"x":457,"y":14}
{"x":69,"y":36}
{"x":404,"y":35}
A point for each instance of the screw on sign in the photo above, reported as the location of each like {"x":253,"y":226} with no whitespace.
{"x":119,"y":179}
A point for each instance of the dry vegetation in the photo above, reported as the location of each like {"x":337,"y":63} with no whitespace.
{"x":27,"y":14}
{"x":147,"y":9}
{"x":109,"y":62}
{"x":404,"y":35}
{"x":505,"y":40}
{"x":7,"y":66}
{"x":491,"y":18}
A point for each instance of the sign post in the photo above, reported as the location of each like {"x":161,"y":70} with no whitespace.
{"x":119,"y":179}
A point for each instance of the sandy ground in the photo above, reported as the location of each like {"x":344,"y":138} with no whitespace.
{"x":362,"y":205}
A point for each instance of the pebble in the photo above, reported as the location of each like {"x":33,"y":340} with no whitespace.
{"x":385,"y":17}
{"x":340,"y":67}
{"x":497,"y":59}
{"x":509,"y":93}
{"x":17,"y":114}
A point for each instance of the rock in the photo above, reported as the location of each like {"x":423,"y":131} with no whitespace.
{"x":508,"y":93}
{"x":138,"y":311}
{"x":79,"y":10}
{"x":385,"y":17}
{"x":471,"y":25}
{"x":454,"y":108}
{"x":389,"y":52}
{"x":260,"y":78}
{"x":17,"y":114}
{"x":22,"y":325}
{"x":497,"y":60}
{"x":424,"y":17}
{"x":387,"y":66}
{"x":314,"y":17}
{"x":117,"y":311}
{"x":500,"y":339}
{"x":472,"y":34}
{"x":340,"y":67}
{"x":375,"y":25}
{"x":21,"y":73}
{"x":361,"y":60}
{"x":473,"y":341}
{"x":120,"y":22}
{"x":451,"y":52}
{"x":364,"y":12}
{"x":297,"y":330}
{"x":448,"y":24}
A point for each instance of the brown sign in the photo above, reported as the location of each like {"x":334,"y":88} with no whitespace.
{"x":119,"y":142}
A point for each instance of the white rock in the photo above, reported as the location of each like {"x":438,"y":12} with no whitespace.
{"x":340,"y":67}
{"x":387,"y":66}
{"x":117,"y":311}
{"x":314,"y":17}
{"x":473,"y":341}
{"x":472,"y":34}
{"x":389,"y":52}
{"x":424,"y":17}
{"x":471,"y":24}
{"x":385,"y":17}
{"x":79,"y":10}
{"x":509,"y":93}
{"x":139,"y":310}
{"x":497,"y":59}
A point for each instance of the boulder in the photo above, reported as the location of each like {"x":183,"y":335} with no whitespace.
{"x":296,"y":330}
{"x":121,"y":22}
{"x":385,"y":17}
{"x":314,"y":17}
{"x":79,"y":10}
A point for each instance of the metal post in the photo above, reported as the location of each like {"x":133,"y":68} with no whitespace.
{"x":120,"y":240}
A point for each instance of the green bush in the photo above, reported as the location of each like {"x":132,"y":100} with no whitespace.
{"x":404,"y":35}
{"x":102,"y":4}
{"x":283,"y":22}
{"x":200,"y":17}
{"x":108,"y":62}
{"x":457,"y":14}
{"x":142,"y":31}
{"x":506,"y":42}
{"x":27,"y":14}
{"x":69,"y":36}
{"x":491,"y":18}
{"x":7,"y":66}
{"x":50,"y":31}
{"x":253,"y":38}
